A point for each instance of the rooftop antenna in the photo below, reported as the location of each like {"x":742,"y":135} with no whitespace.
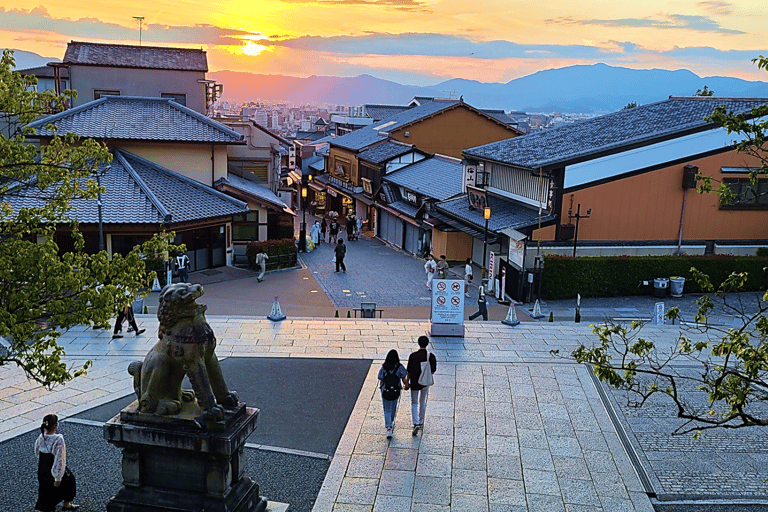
{"x":450,"y":94}
{"x":141,"y":24}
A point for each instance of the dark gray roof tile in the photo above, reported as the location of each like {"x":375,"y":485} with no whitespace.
{"x":386,"y":151}
{"x":505,"y":213}
{"x":439,"y":177}
{"x":638,"y":125}
{"x":133,"y":118}
{"x":131,"y":56}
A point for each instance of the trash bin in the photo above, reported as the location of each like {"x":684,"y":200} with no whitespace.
{"x":138,"y":306}
{"x":660,"y":286}
{"x":676,"y":286}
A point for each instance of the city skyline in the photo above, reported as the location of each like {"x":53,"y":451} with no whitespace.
{"x":416,"y":42}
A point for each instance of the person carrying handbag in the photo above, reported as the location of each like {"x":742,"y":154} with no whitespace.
{"x":422,"y":364}
{"x":56,"y":481}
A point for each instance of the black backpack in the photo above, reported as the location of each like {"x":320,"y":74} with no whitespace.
{"x":391,"y":389}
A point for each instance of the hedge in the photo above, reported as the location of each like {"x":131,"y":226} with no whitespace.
{"x":281,"y":252}
{"x":614,"y":276}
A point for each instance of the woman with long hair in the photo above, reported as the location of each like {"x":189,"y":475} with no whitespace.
{"x":57,"y":483}
{"x":390,"y":376}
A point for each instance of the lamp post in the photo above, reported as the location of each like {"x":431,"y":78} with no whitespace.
{"x":578,"y":216}
{"x":303,"y":230}
{"x":486,"y":216}
{"x":98,"y":175}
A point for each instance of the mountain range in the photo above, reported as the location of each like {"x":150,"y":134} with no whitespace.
{"x":593,"y":88}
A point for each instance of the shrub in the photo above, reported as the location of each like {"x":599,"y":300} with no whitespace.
{"x":613,"y":276}
{"x":281,"y":252}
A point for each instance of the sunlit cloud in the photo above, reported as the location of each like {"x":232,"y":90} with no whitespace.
{"x":717,"y":8}
{"x":403,"y":5}
{"x":672,"y":21}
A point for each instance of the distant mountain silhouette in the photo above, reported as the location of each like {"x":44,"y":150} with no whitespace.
{"x":578,"y":89}
{"x":26,"y":60}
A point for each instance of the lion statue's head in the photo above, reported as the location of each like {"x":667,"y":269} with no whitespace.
{"x":177,"y":302}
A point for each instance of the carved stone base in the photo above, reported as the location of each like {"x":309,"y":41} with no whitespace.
{"x":176,"y":467}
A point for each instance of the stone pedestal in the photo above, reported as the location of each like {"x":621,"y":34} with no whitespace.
{"x":173,"y":465}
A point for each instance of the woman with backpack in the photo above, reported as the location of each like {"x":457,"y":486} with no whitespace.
{"x":390,"y":376}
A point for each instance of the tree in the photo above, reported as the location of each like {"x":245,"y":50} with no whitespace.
{"x":43,"y":291}
{"x":729,"y":386}
{"x":704,"y":92}
{"x":629,"y":105}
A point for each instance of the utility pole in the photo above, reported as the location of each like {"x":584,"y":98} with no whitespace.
{"x":578,"y":217}
{"x":141,"y":24}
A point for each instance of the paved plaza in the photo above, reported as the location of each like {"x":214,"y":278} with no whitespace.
{"x":508,"y":426}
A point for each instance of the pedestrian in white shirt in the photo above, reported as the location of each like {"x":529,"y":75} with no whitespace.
{"x":467,"y":276}
{"x":429,"y":267}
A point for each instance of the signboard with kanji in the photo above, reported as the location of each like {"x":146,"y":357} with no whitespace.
{"x":447,"y":301}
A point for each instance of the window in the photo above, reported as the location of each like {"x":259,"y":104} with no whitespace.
{"x":245,"y":227}
{"x":181,"y":99}
{"x":748,"y":195}
{"x":481,"y":177}
{"x":98,"y":93}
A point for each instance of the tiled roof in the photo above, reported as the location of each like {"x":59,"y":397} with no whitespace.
{"x":132,"y":118}
{"x":44,"y":72}
{"x":643,"y":124}
{"x":369,"y":135}
{"x":505,"y":213}
{"x":498,"y":115}
{"x":439,"y":177}
{"x":379,"y":112}
{"x":253,"y":189}
{"x":300,"y":135}
{"x":404,"y":207}
{"x":130,"y":56}
{"x":385,"y":151}
{"x":140,"y":192}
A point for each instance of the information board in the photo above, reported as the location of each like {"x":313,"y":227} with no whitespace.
{"x":448,"y":301}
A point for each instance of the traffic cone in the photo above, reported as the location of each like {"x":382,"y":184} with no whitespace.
{"x":551,"y":316}
{"x":277,"y":313}
{"x":511,"y":319}
{"x":537,"y":310}
{"x":156,"y":285}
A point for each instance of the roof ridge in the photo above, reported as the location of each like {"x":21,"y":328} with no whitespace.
{"x":181,"y":177}
{"x":67,"y":112}
{"x":167,"y":217}
{"x":123,"y":45}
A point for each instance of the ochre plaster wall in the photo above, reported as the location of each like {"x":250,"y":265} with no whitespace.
{"x":457,"y":246}
{"x":191,"y":160}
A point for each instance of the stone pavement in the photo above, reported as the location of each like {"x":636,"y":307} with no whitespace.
{"x":508,"y":426}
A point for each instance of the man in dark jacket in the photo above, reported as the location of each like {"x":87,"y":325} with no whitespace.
{"x":419,"y":393}
{"x":482,"y":307}
{"x":340,"y":250}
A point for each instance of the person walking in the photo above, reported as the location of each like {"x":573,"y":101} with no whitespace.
{"x":419,"y":391}
{"x":467,"y":276}
{"x":182,"y":264}
{"x":323,"y":229}
{"x":261,"y":261}
{"x":359,"y":227}
{"x":55,"y":479}
{"x":126,"y":313}
{"x":442,"y":268}
{"x":341,"y":251}
{"x":334,"y":231}
{"x":391,"y":374}
{"x":429,"y":267}
{"x":350,"y":228}
{"x":482,"y":307}
{"x":314,"y":232}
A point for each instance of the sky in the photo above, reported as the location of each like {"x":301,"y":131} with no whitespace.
{"x":416,"y":42}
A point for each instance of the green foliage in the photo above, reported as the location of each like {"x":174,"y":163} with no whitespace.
{"x":704,"y":92}
{"x":277,"y":250}
{"x":629,"y":105}
{"x":44,"y":292}
{"x":614,"y":276}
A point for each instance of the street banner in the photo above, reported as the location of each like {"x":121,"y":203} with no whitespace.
{"x":491,"y":271}
{"x":448,"y":301}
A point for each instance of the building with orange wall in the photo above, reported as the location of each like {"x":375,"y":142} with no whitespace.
{"x":623,"y":183}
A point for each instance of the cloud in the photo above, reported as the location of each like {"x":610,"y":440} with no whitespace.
{"x":717,"y":8}
{"x":38,"y":19}
{"x":672,"y":21}
{"x":401,"y":5}
{"x":434,"y":45}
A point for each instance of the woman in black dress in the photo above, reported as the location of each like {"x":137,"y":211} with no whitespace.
{"x":57,"y":483}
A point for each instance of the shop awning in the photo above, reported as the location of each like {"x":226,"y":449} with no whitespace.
{"x":479,"y":234}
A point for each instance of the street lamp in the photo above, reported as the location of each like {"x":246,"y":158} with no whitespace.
{"x":98,"y":176}
{"x":577,"y":217}
{"x":303,"y":230}
{"x":486,"y":216}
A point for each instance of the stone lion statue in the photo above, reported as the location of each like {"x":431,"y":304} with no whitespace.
{"x":185,"y":347}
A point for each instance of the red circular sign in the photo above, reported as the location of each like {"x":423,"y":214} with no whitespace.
{"x":455,"y":300}
{"x":455,"y":286}
{"x":440,"y":300}
{"x":440,"y":286}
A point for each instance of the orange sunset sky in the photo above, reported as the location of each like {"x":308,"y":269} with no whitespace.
{"x":420,"y":42}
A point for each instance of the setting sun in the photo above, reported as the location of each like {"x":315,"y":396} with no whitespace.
{"x":252,"y":48}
